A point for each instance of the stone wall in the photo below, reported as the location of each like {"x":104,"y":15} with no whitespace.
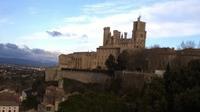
{"x":133,"y":80}
{"x":84,"y":77}
{"x":51,"y":74}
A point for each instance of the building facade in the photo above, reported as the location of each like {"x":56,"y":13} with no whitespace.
{"x":112,"y":44}
{"x":9,"y":101}
{"x":52,"y":97}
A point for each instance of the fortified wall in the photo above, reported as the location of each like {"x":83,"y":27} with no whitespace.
{"x":81,"y":76}
{"x":84,"y":76}
{"x":133,"y":80}
{"x":114,"y":44}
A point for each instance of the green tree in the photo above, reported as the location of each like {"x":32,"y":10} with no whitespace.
{"x":30,"y":103}
{"x":39,"y":87}
{"x":183,"y":83}
{"x":153,"y":98}
{"x":122,"y":60}
{"x":115,"y":85}
{"x":188,"y":101}
{"x":111,"y":63}
{"x":132,"y":60}
{"x":93,"y":102}
{"x":137,"y":60}
{"x":187,"y":44}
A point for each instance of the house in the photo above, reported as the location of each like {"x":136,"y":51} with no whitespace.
{"x":9,"y":101}
{"x":53,"y":96}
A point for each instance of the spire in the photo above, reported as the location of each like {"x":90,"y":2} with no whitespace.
{"x":139,"y":18}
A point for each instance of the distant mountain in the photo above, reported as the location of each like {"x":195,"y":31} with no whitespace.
{"x":26,"y":62}
{"x":13,"y":54}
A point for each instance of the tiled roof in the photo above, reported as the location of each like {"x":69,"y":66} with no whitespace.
{"x":7,"y":98}
{"x":8,"y":103}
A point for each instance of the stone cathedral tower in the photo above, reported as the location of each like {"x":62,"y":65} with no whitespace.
{"x":114,"y":44}
{"x":139,"y":33}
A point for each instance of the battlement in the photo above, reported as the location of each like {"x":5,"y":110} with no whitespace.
{"x":106,"y":28}
{"x":121,"y":40}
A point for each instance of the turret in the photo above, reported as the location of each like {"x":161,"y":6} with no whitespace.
{"x":125,"y":35}
{"x":106,"y":35}
{"x":116,"y":34}
{"x":139,"y":33}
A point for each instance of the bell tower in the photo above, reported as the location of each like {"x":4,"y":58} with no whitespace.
{"x":139,"y":33}
{"x":106,"y":36}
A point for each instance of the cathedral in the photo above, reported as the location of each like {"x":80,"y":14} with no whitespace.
{"x":112,"y":44}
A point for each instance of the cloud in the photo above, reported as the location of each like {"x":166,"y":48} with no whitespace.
{"x":79,"y":19}
{"x":5,"y":21}
{"x":114,"y":6}
{"x":54,"y":33}
{"x":84,"y":36}
{"x":13,"y":51}
{"x":66,"y":34}
{"x":32,"y":10}
{"x":165,"y":19}
{"x":64,"y":44}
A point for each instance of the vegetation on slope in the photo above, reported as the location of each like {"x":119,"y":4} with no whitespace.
{"x":178,"y":91}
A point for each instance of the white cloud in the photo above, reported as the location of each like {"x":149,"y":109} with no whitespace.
{"x":33,"y":10}
{"x":4,"y":20}
{"x":79,"y":19}
{"x":177,"y":18}
{"x":167,"y":19}
{"x":108,"y":7}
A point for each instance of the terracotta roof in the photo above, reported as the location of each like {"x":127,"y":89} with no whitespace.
{"x":8,"y":97}
{"x":8,"y":103}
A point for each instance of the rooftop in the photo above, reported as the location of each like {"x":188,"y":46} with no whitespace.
{"x":9,"y":103}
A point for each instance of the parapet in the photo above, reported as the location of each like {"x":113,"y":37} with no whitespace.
{"x":106,"y":28}
{"x":116,"y":33}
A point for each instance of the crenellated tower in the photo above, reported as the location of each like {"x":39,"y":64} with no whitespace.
{"x":106,"y":36}
{"x":139,"y":33}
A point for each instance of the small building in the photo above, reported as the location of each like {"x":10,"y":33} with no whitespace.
{"x":53,"y":96}
{"x":25,"y":93}
{"x":9,"y":102}
{"x":159,"y":73}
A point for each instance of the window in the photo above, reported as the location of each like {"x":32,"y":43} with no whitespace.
{"x":48,"y":108}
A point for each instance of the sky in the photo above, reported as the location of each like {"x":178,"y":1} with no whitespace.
{"x":68,"y":26}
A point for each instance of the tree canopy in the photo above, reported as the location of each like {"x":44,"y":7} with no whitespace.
{"x":178,"y":91}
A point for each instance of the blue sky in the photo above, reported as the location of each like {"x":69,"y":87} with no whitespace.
{"x":78,"y":24}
